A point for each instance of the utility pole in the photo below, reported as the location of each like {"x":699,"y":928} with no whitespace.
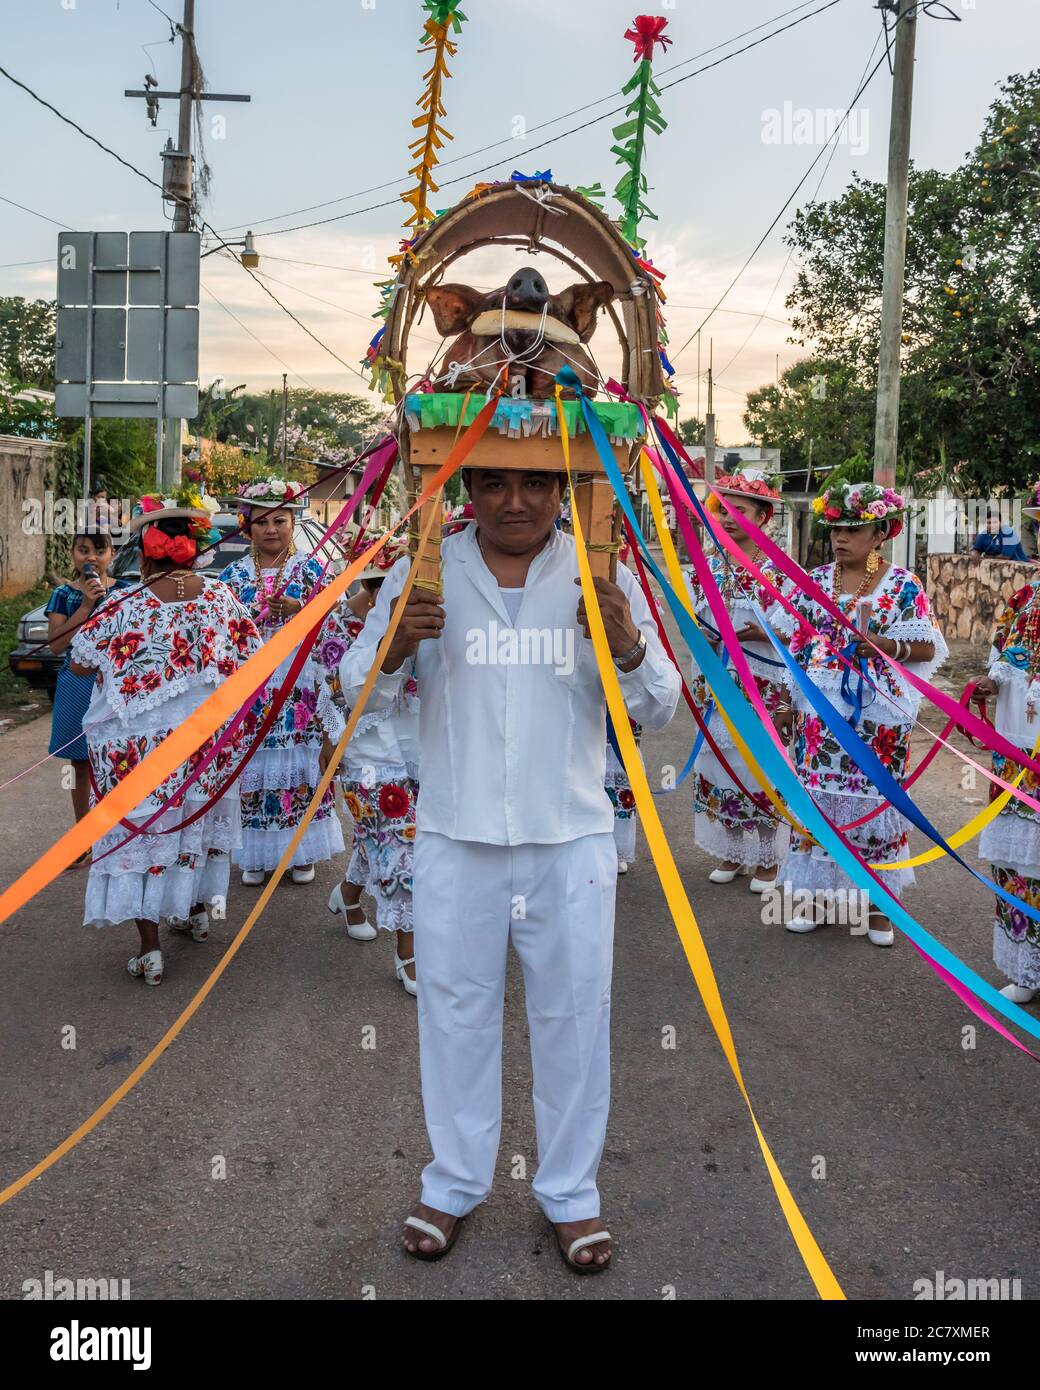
{"x":709,"y":422}
{"x":178,"y":188}
{"x":886,"y":424}
{"x":285,"y":419}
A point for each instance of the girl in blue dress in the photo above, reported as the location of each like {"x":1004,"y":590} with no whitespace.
{"x":69,"y":606}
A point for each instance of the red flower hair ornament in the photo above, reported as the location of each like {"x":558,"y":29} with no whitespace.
{"x":159,"y":546}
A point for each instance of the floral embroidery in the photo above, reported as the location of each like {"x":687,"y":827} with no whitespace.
{"x":384,"y":829}
{"x":143,"y":649}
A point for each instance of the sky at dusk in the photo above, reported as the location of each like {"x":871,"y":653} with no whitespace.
{"x":334,"y":85}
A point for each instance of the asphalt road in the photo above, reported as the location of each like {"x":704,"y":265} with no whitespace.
{"x":854,"y":1056}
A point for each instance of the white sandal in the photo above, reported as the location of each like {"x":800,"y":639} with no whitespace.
{"x":410,"y":985}
{"x":197,"y":924}
{"x":253,"y":878}
{"x":150,"y":965}
{"x":303,"y":873}
{"x":427,"y":1228}
{"x":583,"y":1243}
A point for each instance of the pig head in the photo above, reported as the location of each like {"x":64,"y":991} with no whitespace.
{"x":542,"y":332}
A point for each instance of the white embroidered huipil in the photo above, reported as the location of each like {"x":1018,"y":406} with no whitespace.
{"x":512,"y":725}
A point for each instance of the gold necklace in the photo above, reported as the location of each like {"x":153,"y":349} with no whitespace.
{"x":276,"y":586}
{"x":873,"y":565}
{"x":178,"y":576}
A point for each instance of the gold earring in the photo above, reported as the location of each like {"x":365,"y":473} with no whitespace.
{"x":873,"y":562}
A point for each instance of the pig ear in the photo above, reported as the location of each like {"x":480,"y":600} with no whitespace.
{"x":454,"y":307}
{"x":577,"y":305}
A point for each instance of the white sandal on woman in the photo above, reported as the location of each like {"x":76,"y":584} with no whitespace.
{"x":149,"y":965}
{"x":399,"y":969}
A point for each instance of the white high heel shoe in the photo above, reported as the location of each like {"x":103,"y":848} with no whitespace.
{"x":761,"y":885}
{"x":399,"y":969}
{"x":197,"y":924}
{"x":1019,"y":994}
{"x":622,"y":866}
{"x":303,"y":873}
{"x":150,"y":965}
{"x":360,"y":931}
{"x":723,"y":875}
{"x":253,"y":878}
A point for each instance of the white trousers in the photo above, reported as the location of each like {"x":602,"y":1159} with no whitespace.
{"x":556,"y":904}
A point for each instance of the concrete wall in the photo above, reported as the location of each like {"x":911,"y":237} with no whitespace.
{"x":24,"y":468}
{"x":968,"y":594}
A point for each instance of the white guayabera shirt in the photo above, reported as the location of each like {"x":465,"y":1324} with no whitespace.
{"x":512,"y":723}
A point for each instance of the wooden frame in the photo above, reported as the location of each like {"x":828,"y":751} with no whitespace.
{"x":581,"y":236}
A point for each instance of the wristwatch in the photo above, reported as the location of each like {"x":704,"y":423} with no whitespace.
{"x":626,"y":658}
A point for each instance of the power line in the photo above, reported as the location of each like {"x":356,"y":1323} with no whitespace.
{"x":10,"y":265}
{"x":510,"y":140}
{"x":265,"y":346}
{"x":86,"y":134}
{"x":127,"y":165}
{"x":787,"y":262}
{"x":343,"y":309}
{"x":42,"y":215}
{"x":299,"y":322}
{"x":790,"y":199}
{"x":574,"y":130}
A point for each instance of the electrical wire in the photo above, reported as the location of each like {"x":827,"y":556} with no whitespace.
{"x":140,"y":173}
{"x":531,"y":149}
{"x":787,"y":203}
{"x":245,"y":327}
{"x":42,"y":215}
{"x":510,"y":140}
{"x":790,"y":254}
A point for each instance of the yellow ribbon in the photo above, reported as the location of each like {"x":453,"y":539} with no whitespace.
{"x":682,"y":913}
{"x":967,"y":832}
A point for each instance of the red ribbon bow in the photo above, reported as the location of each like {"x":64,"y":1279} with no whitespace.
{"x":158,"y":545}
{"x":647,"y":29}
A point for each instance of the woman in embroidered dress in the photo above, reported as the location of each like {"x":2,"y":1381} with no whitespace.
{"x":891,"y":605}
{"x":380,"y":779}
{"x":1012,"y":842}
{"x":738,"y":827}
{"x":273,"y":583}
{"x":157,"y":654}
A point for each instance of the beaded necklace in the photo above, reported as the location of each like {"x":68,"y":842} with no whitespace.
{"x":276,"y":583}
{"x":873,"y":565}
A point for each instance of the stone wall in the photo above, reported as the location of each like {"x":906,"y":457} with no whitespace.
{"x":968,"y":593}
{"x":24,"y":468}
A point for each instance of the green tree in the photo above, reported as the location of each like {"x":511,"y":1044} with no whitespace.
{"x":817,"y":415}
{"x":971,"y":351}
{"x":27,"y":341}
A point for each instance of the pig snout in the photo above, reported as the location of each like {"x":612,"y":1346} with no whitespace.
{"x":527,"y":290}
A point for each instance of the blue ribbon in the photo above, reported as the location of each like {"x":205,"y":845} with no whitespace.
{"x":765,"y":752}
{"x":854,"y":697}
{"x":543,"y":176}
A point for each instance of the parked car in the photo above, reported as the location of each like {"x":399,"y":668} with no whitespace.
{"x":39,"y":666}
